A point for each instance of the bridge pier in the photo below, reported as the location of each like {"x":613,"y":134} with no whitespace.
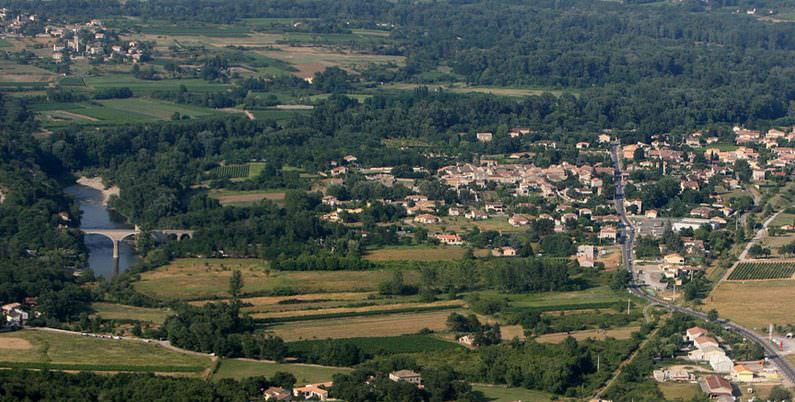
{"x":116,"y":246}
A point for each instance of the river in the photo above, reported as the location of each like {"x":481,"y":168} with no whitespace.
{"x":95,"y":215}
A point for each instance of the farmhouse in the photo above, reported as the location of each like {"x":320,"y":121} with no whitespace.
{"x":277,"y":394}
{"x":317,"y":392}
{"x":449,"y":239}
{"x":586,"y":255}
{"x":467,"y":340}
{"x":519,"y":220}
{"x":703,"y":341}
{"x":406,"y":376}
{"x":695,"y":332}
{"x":503,"y":252}
{"x":741,"y":373}
{"x":426,"y":219}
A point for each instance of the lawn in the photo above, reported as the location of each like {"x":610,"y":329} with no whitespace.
{"x":112,"y":311}
{"x":31,"y":348}
{"x":685,"y":391}
{"x":754,"y":304}
{"x":500,"y":393}
{"x":304,"y":373}
{"x":207,"y":278}
{"x":372,"y":326}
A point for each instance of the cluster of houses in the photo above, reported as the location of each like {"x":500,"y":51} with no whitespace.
{"x":93,"y":40}
{"x":15,"y":23}
{"x":313,"y":392}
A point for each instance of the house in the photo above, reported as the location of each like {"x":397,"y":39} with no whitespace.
{"x":14,"y":315}
{"x":277,"y":394}
{"x":583,"y":145}
{"x":350,"y":158}
{"x":503,"y":252}
{"x":673,"y":374}
{"x":721,"y":364}
{"x":426,"y":219}
{"x":715,"y":386}
{"x":406,"y":376}
{"x":741,"y":373}
{"x":603,"y":138}
{"x":519,"y":131}
{"x":608,"y":233}
{"x":476,"y":215}
{"x":586,"y":255}
{"x":339,"y":171}
{"x":705,"y":354}
{"x":695,"y":332}
{"x":674,"y":258}
{"x":519,"y":220}
{"x":449,"y":239}
{"x":468,"y":341}
{"x":485,"y":137}
{"x":317,"y":392}
{"x":703,"y":341}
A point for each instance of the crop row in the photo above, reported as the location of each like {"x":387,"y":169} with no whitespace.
{"x":762,"y":270}
{"x":230,"y":172}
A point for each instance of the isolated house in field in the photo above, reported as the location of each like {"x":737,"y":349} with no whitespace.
{"x":586,"y":256}
{"x":406,"y":376}
{"x":317,"y":392}
{"x":503,"y":252}
{"x":468,"y":341}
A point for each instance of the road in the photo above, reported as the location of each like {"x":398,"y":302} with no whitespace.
{"x":627,"y":233}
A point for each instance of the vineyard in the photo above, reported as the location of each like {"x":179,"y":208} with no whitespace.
{"x":230,"y":172}
{"x":762,"y":270}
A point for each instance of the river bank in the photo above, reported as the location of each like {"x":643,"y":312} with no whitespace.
{"x":97,"y":183}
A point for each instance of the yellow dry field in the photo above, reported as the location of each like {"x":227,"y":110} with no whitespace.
{"x":599,"y":334}
{"x":11,"y":72}
{"x":386,"y":325}
{"x":775,"y":242}
{"x":15,"y":344}
{"x":754,"y":304}
{"x":508,"y":332}
{"x":612,"y":259}
{"x":364,"y":309}
{"x":311,"y":59}
{"x":205,"y":278}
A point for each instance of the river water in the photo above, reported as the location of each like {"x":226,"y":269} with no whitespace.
{"x":95,"y":215}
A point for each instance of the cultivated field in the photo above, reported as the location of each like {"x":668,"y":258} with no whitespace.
{"x":685,"y":391}
{"x":226,"y":197}
{"x":383,"y":325}
{"x":419,"y":253}
{"x":304,"y":373}
{"x":762,"y":270}
{"x":112,"y":311}
{"x":754,"y":304}
{"x":564,"y":300}
{"x":197,"y":279}
{"x":598,"y":334}
{"x":38,"y":349}
{"x":369,"y":309}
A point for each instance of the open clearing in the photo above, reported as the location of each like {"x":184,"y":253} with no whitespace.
{"x":389,"y":325}
{"x":116,"y":111}
{"x":227,"y":198}
{"x":458,"y":87}
{"x":304,"y":373}
{"x":754,"y":304}
{"x":203,"y":278}
{"x":500,"y":393}
{"x":75,"y":352}
{"x":112,"y":311}
{"x":598,"y":334}
{"x":684,"y":391}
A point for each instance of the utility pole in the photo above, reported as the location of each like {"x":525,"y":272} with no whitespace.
{"x":628,"y":300}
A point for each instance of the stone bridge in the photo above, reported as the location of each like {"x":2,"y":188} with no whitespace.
{"x":117,"y":235}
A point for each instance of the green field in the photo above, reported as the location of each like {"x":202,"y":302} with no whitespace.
{"x":762,"y":270}
{"x":197,"y":278}
{"x":39,"y":349}
{"x":382,"y":345}
{"x":4,"y":43}
{"x":498,"y":393}
{"x":304,"y":373}
{"x":140,"y":87}
{"x":116,"y":111}
{"x":564,"y":300}
{"x":112,"y":311}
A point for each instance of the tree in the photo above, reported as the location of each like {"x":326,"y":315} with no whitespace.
{"x":283,"y":379}
{"x":712,"y":315}
{"x":779,"y":394}
{"x":235,"y":285}
{"x":620,"y":279}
